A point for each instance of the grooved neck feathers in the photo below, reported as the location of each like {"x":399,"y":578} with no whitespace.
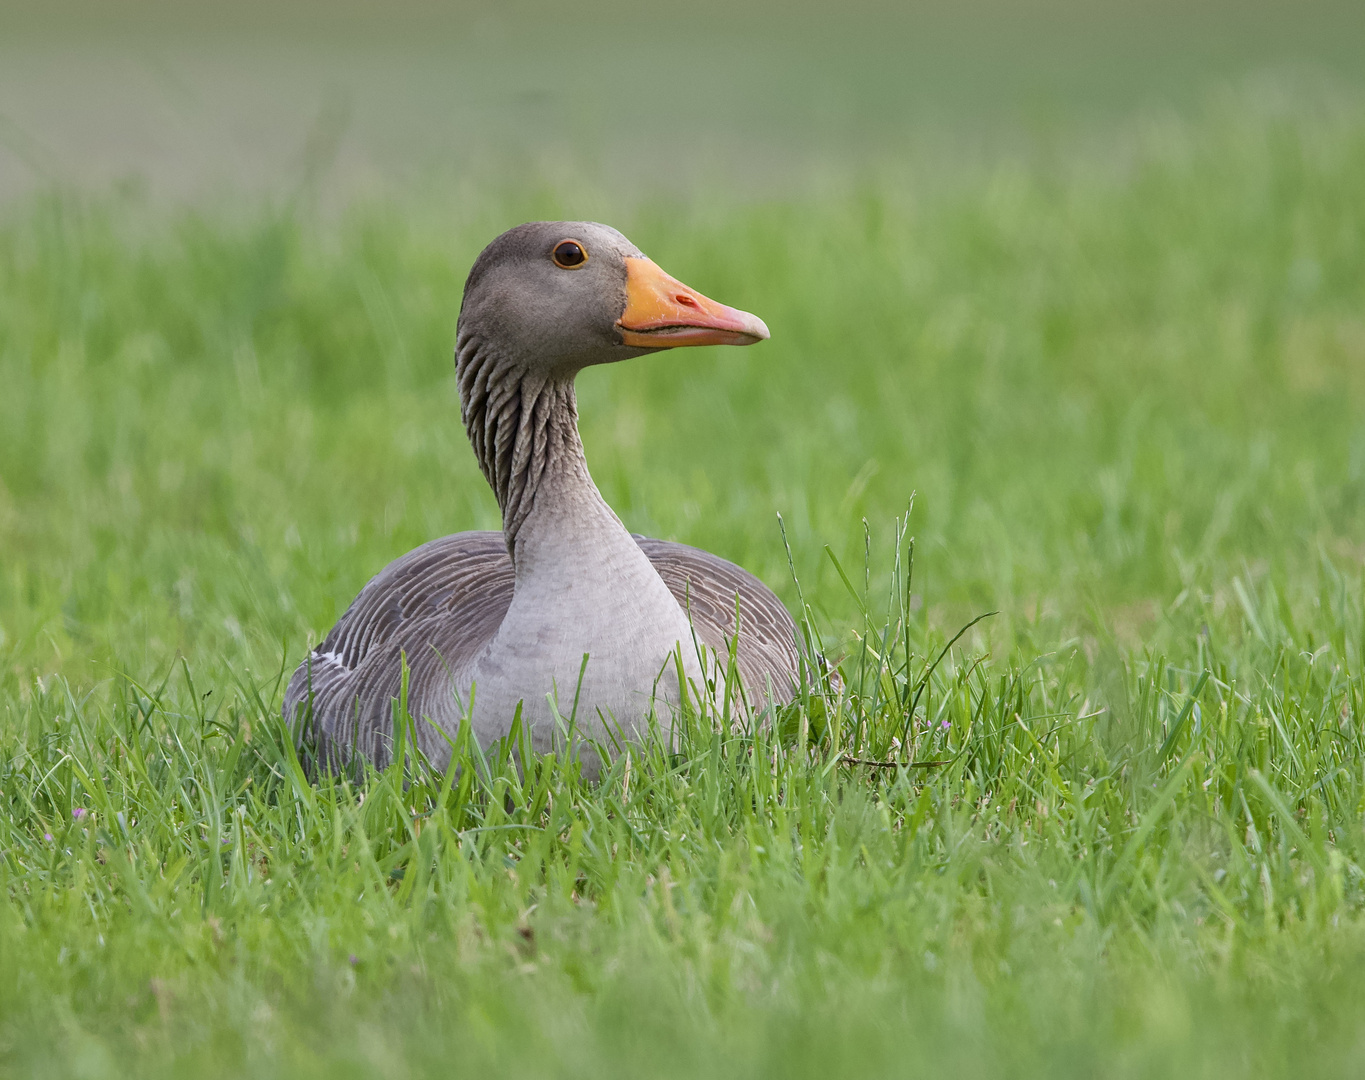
{"x":523,"y":426}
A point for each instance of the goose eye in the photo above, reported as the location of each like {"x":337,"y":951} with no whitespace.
{"x":570,"y":254}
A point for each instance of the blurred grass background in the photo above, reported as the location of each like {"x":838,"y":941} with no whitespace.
{"x":200,"y":100}
{"x":1089,"y":280}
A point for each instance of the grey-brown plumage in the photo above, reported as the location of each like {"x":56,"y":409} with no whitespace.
{"x":440,"y":603}
{"x":490,"y":624}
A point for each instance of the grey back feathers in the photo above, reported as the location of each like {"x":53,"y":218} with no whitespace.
{"x":441,"y":603}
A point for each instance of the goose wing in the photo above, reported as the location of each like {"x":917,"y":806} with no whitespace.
{"x":710,"y":589}
{"x":437,"y":606}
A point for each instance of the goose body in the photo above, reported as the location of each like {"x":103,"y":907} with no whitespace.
{"x":564,"y":616}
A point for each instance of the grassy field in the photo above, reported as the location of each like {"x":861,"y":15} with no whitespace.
{"x":1123,"y":377}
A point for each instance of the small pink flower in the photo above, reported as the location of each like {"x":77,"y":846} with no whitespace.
{"x":48,"y":837}
{"x":80,"y":813}
{"x":946,"y":725}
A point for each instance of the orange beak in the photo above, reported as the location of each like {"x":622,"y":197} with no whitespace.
{"x":663,"y":313}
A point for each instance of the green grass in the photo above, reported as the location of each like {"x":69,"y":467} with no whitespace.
{"x":1125,"y":378}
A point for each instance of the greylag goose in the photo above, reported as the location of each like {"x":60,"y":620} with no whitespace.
{"x":564,"y":617}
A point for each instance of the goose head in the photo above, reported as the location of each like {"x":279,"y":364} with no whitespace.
{"x":559,"y":296}
{"x":542,"y":302}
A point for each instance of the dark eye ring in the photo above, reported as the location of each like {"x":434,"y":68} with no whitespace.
{"x":570,"y":254}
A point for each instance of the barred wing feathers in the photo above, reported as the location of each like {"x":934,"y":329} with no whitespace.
{"x":441,"y":603}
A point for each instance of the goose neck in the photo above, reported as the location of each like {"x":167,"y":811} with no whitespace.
{"x":523,"y":425}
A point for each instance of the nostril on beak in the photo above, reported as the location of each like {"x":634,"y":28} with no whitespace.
{"x":685,"y":300}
